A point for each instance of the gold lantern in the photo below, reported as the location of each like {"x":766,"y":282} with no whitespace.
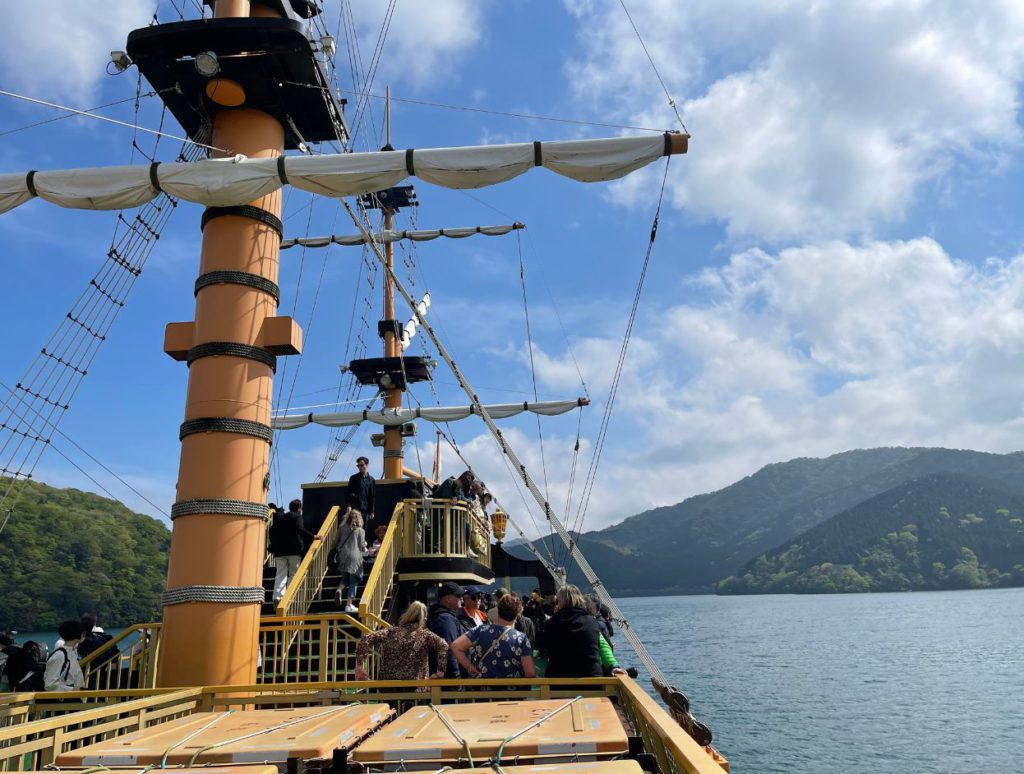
{"x":499,"y":521}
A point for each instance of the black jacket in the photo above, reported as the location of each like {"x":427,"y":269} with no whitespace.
{"x":571,"y":637}
{"x":288,"y":536}
{"x":360,"y":499}
{"x":442,"y":622}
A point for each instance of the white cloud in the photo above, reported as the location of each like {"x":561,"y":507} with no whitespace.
{"x":809,"y":352}
{"x":58,"y":50}
{"x":424,"y":40}
{"x":810,"y":119}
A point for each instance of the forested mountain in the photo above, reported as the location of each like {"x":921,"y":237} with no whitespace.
{"x":943,"y":531}
{"x":691,"y":546}
{"x":66,"y":552}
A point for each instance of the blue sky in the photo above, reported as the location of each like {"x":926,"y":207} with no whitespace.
{"x":837,"y":265}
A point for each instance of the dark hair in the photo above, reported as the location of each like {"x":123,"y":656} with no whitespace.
{"x":362,"y":459}
{"x":6,"y":639}
{"x":510,"y":607}
{"x":88,"y":623}
{"x":271,"y":507}
{"x":70,"y":630}
{"x":294,"y":505}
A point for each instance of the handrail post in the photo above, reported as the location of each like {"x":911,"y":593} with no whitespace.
{"x":322,"y":672}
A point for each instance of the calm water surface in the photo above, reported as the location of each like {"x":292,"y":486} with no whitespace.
{"x":909,"y":683}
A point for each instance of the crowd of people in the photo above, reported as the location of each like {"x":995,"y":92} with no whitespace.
{"x":288,"y":538}
{"x":466,"y":632}
{"x":32,"y":666}
{"x":460,"y":636}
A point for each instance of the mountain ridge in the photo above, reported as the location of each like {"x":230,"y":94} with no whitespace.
{"x":939,"y":531}
{"x":691,"y":546}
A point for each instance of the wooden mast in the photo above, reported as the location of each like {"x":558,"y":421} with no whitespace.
{"x":215,"y":576}
{"x":393,"y":455}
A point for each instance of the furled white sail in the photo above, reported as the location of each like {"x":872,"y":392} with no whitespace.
{"x":230,"y":182}
{"x":385,"y":237}
{"x":390,"y":417}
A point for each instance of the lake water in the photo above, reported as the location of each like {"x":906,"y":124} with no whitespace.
{"x":921,"y":682}
{"x":841,"y":684}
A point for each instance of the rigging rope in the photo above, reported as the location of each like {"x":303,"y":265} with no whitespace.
{"x":98,"y":117}
{"x":533,"y":368}
{"x":70,"y":115}
{"x":581,"y":560}
{"x":588,"y":484}
{"x":671,"y":102}
{"x":528,"y":116}
{"x":39,"y":400}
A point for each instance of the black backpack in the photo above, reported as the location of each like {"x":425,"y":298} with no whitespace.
{"x":94,"y":641}
{"x":26,"y":665}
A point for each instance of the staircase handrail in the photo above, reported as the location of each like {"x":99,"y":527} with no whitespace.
{"x":377,"y":586}
{"x":138,"y":659}
{"x":309,"y":577}
{"x":124,"y":634}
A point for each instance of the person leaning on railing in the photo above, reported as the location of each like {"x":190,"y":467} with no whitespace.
{"x":404,"y":649}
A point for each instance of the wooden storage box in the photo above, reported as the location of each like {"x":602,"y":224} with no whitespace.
{"x":431,"y":737}
{"x":249,"y":736}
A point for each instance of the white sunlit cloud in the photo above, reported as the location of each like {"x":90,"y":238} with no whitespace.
{"x":424,"y":40}
{"x":809,"y":352}
{"x":58,"y":50}
{"x":811,"y":120}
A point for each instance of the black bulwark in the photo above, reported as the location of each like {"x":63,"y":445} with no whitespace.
{"x":318,"y":499}
{"x":271,"y":59}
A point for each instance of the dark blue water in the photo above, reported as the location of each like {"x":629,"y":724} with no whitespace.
{"x":921,"y":683}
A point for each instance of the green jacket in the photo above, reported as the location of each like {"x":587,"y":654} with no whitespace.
{"x":608,"y":662}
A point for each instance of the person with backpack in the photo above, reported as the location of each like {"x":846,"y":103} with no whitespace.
{"x":94,"y":638}
{"x":23,"y":670}
{"x":7,"y":650}
{"x":289,"y":540}
{"x":63,"y":672}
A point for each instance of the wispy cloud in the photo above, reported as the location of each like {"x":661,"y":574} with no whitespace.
{"x":810,"y":120}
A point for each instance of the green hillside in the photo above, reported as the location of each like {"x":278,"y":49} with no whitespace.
{"x":944,"y":531}
{"x":691,"y":546}
{"x":66,"y":552}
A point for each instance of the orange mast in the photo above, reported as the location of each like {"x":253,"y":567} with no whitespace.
{"x":215,"y":577}
{"x":393,"y":455}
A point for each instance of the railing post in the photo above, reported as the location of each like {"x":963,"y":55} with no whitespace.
{"x":325,"y":648}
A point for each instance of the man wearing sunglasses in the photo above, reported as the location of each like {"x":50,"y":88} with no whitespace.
{"x":360,"y":492}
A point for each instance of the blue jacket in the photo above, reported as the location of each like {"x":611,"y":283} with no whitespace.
{"x":442,"y":622}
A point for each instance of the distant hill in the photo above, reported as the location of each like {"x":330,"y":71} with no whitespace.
{"x":66,"y":552}
{"x":691,"y":546}
{"x":943,"y":531}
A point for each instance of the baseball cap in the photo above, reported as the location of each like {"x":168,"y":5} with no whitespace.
{"x":450,"y":587}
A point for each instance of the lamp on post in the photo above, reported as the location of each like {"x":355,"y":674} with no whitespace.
{"x":499,"y":521}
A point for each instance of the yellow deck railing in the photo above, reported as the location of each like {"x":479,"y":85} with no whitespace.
{"x":433,"y":528}
{"x":308,"y":649}
{"x":378,"y":585}
{"x":57,"y":722}
{"x":300,"y":649}
{"x":309,"y":577}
